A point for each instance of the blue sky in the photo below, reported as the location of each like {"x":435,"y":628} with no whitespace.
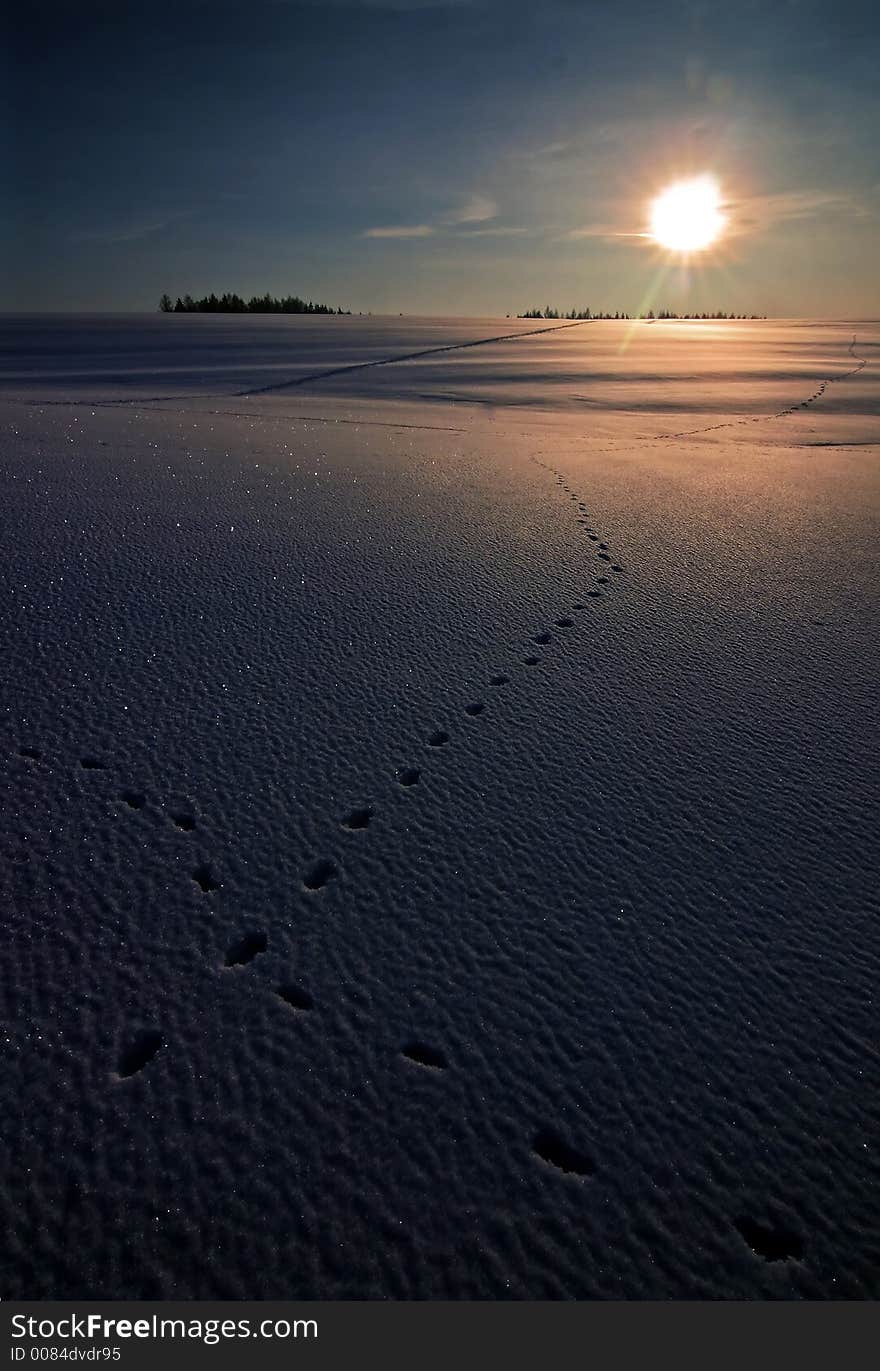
{"x":471,"y":156}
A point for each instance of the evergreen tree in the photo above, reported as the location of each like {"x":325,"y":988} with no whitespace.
{"x":230,"y":303}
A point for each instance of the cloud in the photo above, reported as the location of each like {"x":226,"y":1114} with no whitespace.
{"x":763,"y":211}
{"x":501,"y":231}
{"x":131,"y":230}
{"x":753,"y":214}
{"x":400,"y":231}
{"x":606,"y":231}
{"x":548,"y":152}
{"x":475,"y":210}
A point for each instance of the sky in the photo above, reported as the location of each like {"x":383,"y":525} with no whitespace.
{"x":474,"y":157}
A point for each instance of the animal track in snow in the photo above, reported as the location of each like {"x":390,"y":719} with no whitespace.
{"x":425,"y":1056}
{"x":295,"y":997}
{"x":556,"y":1151}
{"x":204,"y":879}
{"x":319,"y":873}
{"x":139,"y":1052}
{"x":549,"y":1147}
{"x":323,"y":870}
{"x":358,"y":818}
{"x":244,"y":949}
{"x":603,"y":551}
{"x":780,"y":414}
{"x":772,"y":1241}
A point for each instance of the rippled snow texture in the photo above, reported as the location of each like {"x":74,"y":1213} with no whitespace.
{"x":438,"y":853}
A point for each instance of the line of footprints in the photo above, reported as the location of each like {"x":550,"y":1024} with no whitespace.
{"x":756,"y":418}
{"x":861,"y":363}
{"x":140,"y":1049}
{"x":769,"y":1237}
{"x":324,"y":870}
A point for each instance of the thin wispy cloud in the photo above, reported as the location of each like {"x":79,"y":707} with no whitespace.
{"x":752,"y":214}
{"x":475,"y":210}
{"x":501,"y":231}
{"x":765,"y":211}
{"x":605,"y":231}
{"x":547,"y":152}
{"x":399,"y":231}
{"x":132,"y":230}
{"x":472,"y":209}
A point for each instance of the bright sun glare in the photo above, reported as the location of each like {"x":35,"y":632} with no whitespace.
{"x":687,"y":216}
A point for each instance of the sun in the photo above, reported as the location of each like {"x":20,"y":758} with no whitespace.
{"x":687,"y":217}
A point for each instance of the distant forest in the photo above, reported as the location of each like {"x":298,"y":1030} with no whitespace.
{"x":235,"y":304}
{"x":292,"y":304}
{"x":549,"y":313}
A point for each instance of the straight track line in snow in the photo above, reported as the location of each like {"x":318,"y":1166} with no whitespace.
{"x":405,"y":357}
{"x":295,"y":381}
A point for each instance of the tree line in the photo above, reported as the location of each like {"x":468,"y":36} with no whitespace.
{"x":549,"y":313}
{"x":236,"y":304}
